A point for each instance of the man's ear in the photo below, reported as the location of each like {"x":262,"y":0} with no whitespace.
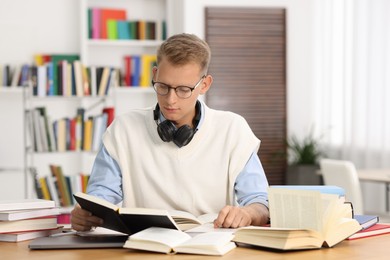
{"x":154,"y":71}
{"x":206,"y":84}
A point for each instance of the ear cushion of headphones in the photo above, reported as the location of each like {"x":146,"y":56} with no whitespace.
{"x":183,"y":135}
{"x":166,"y":130}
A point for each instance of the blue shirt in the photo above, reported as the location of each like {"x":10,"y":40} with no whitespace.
{"x":106,"y":178}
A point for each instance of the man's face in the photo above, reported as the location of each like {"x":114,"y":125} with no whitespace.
{"x":180,"y":111}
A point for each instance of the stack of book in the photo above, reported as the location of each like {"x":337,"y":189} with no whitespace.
{"x":27,"y":219}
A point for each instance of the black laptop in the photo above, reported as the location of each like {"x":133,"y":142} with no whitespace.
{"x":75,"y":241}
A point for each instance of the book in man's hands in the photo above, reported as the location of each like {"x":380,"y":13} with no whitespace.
{"x":133,"y":220}
{"x":302,"y":219}
{"x":167,"y":241}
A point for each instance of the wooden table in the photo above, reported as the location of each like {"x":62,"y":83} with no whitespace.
{"x":379,"y":176}
{"x":377,"y":247}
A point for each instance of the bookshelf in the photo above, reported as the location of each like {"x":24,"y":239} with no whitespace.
{"x":96,"y":53}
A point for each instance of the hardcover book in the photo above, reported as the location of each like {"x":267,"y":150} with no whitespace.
{"x":375,"y":230}
{"x":167,"y":241}
{"x":302,"y":219}
{"x":133,"y":220}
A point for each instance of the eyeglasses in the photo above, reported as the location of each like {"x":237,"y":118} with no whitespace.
{"x":181,"y":91}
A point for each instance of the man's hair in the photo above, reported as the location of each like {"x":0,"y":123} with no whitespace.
{"x":184,"y":48}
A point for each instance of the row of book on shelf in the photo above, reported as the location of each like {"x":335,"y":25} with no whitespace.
{"x":78,"y":133}
{"x":58,"y":186}
{"x":65,"y":75}
{"x":113,"y":24}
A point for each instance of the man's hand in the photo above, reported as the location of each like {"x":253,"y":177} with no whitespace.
{"x":83,"y":220}
{"x":255,"y":214}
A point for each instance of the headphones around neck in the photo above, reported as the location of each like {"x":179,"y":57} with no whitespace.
{"x":180,"y":136}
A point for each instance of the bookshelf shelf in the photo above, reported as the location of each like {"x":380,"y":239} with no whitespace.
{"x":123,"y":43}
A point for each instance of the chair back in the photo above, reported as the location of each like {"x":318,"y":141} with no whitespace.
{"x":343,"y":174}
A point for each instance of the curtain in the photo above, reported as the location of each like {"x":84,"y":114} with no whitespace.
{"x":351,"y":80}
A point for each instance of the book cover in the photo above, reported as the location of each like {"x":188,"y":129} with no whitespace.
{"x":21,"y":204}
{"x":28,"y":235}
{"x":27,"y":214}
{"x":112,"y":29}
{"x":125,"y":220}
{"x":375,"y":230}
{"x":366,"y":221}
{"x":123,"y":30}
{"x":28,"y":224}
{"x":96,"y":23}
{"x":109,"y":14}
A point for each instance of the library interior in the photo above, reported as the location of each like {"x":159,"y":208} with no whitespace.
{"x":309,"y":78}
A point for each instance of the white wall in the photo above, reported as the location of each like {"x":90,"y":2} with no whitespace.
{"x":298,"y":48}
{"x":37,"y":26}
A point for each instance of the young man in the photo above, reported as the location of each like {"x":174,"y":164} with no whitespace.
{"x":181,"y":154}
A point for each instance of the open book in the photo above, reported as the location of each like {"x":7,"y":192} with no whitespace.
{"x":165,"y":240}
{"x":132,"y":220}
{"x":302,"y":219}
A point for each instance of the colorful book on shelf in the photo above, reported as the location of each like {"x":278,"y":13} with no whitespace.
{"x":375,"y":230}
{"x":123,"y":29}
{"x":28,"y":224}
{"x":112,"y":29}
{"x":164,"y":240}
{"x":302,"y":219}
{"x":109,"y":14}
{"x":95,"y":23}
{"x":147,"y":61}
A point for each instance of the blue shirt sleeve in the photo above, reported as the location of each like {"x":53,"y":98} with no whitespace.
{"x":106,"y":178}
{"x":251,"y":184}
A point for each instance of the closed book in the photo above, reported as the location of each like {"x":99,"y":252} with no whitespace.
{"x":28,"y":224}
{"x":112,"y":29}
{"x":6,"y":205}
{"x":123,"y":30}
{"x":366,"y":221}
{"x":95,"y":23}
{"x":109,"y":14}
{"x":375,"y":230}
{"x":28,"y":213}
{"x":28,"y":235}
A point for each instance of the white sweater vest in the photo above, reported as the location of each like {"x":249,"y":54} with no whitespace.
{"x":198,"y":178}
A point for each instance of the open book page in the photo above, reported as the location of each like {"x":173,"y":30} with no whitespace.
{"x":209,"y":227}
{"x":211,"y":243}
{"x":295,"y":209}
{"x":186,"y":220}
{"x":168,"y":241}
{"x":157,"y":239}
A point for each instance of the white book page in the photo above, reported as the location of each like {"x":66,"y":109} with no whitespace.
{"x":295,"y":209}
{"x":209,"y":227}
{"x":170,"y":237}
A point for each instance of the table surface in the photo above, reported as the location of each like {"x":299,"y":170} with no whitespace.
{"x":375,"y":175}
{"x":377,"y":247}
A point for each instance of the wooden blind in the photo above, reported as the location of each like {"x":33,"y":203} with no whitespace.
{"x":249,"y":69}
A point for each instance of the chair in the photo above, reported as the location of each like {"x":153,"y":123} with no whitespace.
{"x":343,"y":174}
